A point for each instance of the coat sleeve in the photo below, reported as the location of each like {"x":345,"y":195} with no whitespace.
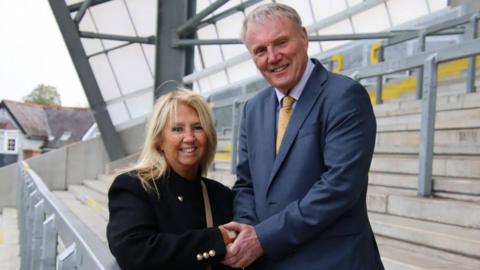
{"x":349,"y":142}
{"x":136,"y":242}
{"x":244,"y":202}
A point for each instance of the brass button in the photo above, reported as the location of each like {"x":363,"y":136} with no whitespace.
{"x":199,"y":257}
{"x":212,"y":253}
{"x":205,"y":255}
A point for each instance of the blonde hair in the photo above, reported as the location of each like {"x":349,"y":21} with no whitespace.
{"x":152,"y":163}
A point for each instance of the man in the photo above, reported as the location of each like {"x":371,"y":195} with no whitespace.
{"x":300,"y":194}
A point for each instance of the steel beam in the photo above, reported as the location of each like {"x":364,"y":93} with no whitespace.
{"x":77,"y":6}
{"x":466,"y":49}
{"x":431,"y":29}
{"x":191,"y":24}
{"x":144,"y":40}
{"x":226,"y":13}
{"x":427,"y":128}
{"x":111,"y":139}
{"x":472,"y":33}
{"x":170,"y":62}
{"x":81,"y":12}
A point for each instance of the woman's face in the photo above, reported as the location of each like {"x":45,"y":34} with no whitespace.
{"x":184,"y":142}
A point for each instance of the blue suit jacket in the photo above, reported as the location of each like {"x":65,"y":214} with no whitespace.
{"x":308,"y":202}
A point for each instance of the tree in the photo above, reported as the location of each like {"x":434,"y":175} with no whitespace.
{"x":44,"y":95}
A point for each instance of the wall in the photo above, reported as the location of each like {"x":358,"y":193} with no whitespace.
{"x":8,"y":177}
{"x":73,"y":164}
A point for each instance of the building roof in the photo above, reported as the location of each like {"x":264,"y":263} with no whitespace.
{"x":50,"y":123}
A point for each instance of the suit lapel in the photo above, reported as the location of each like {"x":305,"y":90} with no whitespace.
{"x":269,"y":129}
{"x":304,"y":105}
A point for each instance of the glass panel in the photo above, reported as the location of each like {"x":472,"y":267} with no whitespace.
{"x":326,"y":8}
{"x":118,"y":112}
{"x":313,"y":48}
{"x":205,"y":84}
{"x":342,"y":27}
{"x":140,"y":105}
{"x":131,"y":68}
{"x":91,"y":46}
{"x":371,"y":20}
{"x":202,"y":4}
{"x":230,"y":51}
{"x":352,"y":3}
{"x":252,"y":7}
{"x":230,"y":26}
{"x":197,"y":59}
{"x":150,"y":53}
{"x":105,"y":78}
{"x":404,"y":10}
{"x":303,"y":9}
{"x":211,"y":55}
{"x":218,"y":79}
{"x":437,"y":4}
{"x":112,"y":18}
{"x":241,"y":71}
{"x":144,"y":13}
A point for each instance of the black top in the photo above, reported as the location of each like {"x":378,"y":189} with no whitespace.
{"x":167,"y":230}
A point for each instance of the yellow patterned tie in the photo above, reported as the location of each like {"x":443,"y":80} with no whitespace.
{"x":283,"y":118}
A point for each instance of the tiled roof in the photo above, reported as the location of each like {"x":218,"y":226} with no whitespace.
{"x":31,"y":117}
{"x":44,"y":121}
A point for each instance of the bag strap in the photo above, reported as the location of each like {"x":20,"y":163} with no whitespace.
{"x":208,"y":210}
{"x":208,"y":207}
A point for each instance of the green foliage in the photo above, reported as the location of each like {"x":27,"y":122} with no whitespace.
{"x":44,"y":95}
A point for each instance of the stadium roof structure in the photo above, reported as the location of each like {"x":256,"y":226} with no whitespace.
{"x":124,"y":50}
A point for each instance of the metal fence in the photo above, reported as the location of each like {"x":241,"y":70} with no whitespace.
{"x":51,"y":236}
{"x":426,"y":62}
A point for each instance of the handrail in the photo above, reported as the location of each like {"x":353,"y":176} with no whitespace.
{"x":44,"y":220}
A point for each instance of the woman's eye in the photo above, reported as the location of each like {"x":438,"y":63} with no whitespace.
{"x":177,"y":129}
{"x":197,"y":128}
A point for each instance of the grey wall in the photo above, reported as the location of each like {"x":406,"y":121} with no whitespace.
{"x":8,"y":184}
{"x":72,"y":164}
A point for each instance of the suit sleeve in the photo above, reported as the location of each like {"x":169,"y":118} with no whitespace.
{"x":244,"y":203}
{"x":135,"y":241}
{"x":348,"y":149}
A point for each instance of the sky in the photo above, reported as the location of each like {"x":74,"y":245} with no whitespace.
{"x":32,"y":52}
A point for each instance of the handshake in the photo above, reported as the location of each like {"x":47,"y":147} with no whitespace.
{"x":243,"y":246}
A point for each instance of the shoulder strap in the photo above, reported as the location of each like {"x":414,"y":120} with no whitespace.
{"x":208,"y":207}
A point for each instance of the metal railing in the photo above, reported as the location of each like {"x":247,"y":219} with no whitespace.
{"x":428,"y":63}
{"x":46,"y":226}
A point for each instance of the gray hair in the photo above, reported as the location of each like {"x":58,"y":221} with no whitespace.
{"x":263,"y":12}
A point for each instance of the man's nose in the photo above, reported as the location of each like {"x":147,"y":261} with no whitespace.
{"x":273,"y":55}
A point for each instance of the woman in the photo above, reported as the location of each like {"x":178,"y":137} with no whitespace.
{"x":159,"y":209}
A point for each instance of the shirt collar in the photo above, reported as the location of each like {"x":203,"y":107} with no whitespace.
{"x":298,"y":89}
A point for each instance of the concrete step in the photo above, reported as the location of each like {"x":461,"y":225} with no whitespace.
{"x":402,"y":203}
{"x":93,"y":199}
{"x":444,"y":103}
{"x":97,"y":185}
{"x":441,"y":185}
{"x":92,"y":219}
{"x":443,"y":165}
{"x":449,"y":238}
{"x":455,"y":119}
{"x":398,"y":255}
{"x":9,"y":240}
{"x":456,"y":141}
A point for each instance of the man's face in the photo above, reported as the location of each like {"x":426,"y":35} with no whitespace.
{"x":279,"y":50}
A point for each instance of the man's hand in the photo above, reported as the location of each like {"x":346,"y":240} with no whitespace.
{"x":245,"y":249}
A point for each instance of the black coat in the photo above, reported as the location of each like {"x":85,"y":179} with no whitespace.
{"x":167,"y":230}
